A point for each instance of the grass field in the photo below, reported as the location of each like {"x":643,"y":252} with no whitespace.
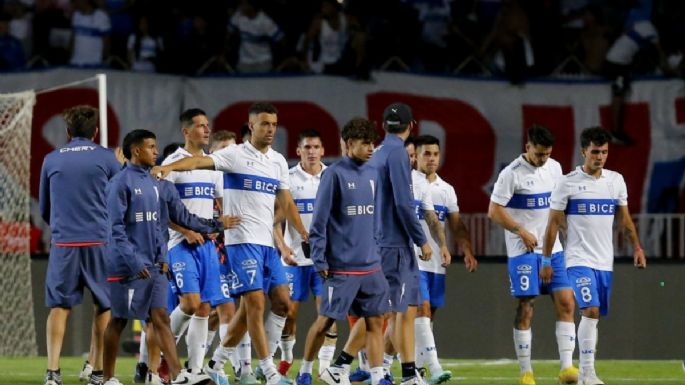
{"x":30,"y":371}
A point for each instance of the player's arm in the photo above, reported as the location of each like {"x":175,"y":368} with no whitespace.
{"x":498,"y":214}
{"x":117,"y":205}
{"x":181,"y":218}
{"x":400,"y":178}
{"x":463,"y":237}
{"x":438,"y":233}
{"x":283,"y":248}
{"x":556,"y":220}
{"x":186,"y":164}
{"x":285,"y":200}
{"x":44,"y":195}
{"x":626,"y":223}
{"x":325,"y":198}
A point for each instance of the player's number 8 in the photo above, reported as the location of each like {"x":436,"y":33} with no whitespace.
{"x":586,"y":293}
{"x":525,"y":282}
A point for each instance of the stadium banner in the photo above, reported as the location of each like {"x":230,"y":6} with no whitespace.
{"x":481,"y":123}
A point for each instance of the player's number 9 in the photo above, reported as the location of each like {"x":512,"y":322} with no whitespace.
{"x":525,"y":282}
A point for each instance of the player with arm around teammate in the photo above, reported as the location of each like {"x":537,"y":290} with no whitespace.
{"x":586,"y":201}
{"x":520,"y":204}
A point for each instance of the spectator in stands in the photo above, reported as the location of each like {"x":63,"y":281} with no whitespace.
{"x":51,"y":34}
{"x":11,"y":52}
{"x":435,"y":17}
{"x":143,"y":48}
{"x":325,"y":41}
{"x":258,"y":33}
{"x":20,"y":22}
{"x":90,"y":39}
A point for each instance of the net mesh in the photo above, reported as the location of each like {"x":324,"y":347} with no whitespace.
{"x":17,"y":328}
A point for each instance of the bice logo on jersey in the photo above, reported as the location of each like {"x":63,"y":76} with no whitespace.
{"x":146,"y":216}
{"x":596,"y":208}
{"x":259,"y":185}
{"x":199,"y":191}
{"x":359,"y":210}
{"x":543,"y":201}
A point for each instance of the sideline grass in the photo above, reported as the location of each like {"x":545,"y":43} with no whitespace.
{"x":30,"y":371}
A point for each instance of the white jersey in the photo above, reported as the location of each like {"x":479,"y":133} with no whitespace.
{"x":251,"y":181}
{"x":444,"y":200}
{"x":197,"y":189}
{"x":89,"y":31}
{"x":303,"y":186}
{"x":525,"y":191}
{"x":423,"y":201}
{"x":590,"y":205}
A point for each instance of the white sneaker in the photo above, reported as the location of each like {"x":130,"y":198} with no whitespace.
{"x":113,"y":381}
{"x":335,"y":375}
{"x":416,"y":380}
{"x":589,"y":377}
{"x":153,"y":379}
{"x":217,"y":375}
{"x":86,"y":371}
{"x":187,"y":378}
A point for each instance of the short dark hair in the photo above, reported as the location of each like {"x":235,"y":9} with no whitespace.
{"x":259,"y":107}
{"x":245,"y":131}
{"x":411,"y":139}
{"x":135,"y":138}
{"x":308,"y":133}
{"x":82,"y":121}
{"x":539,"y":135}
{"x":597,"y":135}
{"x":169,"y":149}
{"x":426,"y":140}
{"x":360,"y":128}
{"x":187,"y":116}
{"x":221,"y":135}
{"x":396,"y":128}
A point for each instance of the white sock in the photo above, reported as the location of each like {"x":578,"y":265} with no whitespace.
{"x":221,"y":355}
{"x":363,"y":362}
{"x":566,"y":341}
{"x":326,"y":354}
{"x":223,"y":328}
{"x":273,"y":327}
{"x":306,"y":367}
{"x":179,"y":322}
{"x":523,"y":341}
{"x":197,"y":342}
{"x":269,"y":369}
{"x":210,"y":339}
{"x":376,"y":375}
{"x":387,"y":360}
{"x":245,"y":354}
{"x":426,"y":353}
{"x":587,"y":342}
{"x":142,"y":350}
{"x":287,"y":349}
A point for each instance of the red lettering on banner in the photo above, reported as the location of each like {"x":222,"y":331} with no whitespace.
{"x":469,"y":148}
{"x":631,"y":161}
{"x":54,"y":103}
{"x":294,"y":116}
{"x":560,"y":121}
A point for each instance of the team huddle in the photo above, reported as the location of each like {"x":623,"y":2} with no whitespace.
{"x":195,"y":246}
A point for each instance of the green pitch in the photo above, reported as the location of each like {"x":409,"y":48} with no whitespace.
{"x":30,"y":371}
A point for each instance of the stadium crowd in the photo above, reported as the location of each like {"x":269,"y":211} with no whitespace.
{"x":513,"y":38}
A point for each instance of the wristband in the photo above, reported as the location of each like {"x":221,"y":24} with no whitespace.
{"x":546,"y":261}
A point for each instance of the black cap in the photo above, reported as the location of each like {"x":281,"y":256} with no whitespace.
{"x":397,"y":113}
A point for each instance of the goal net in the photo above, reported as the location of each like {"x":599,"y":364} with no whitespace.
{"x":17,"y":327}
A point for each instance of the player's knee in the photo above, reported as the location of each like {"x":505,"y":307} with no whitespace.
{"x":190,"y":303}
{"x":159,"y":317}
{"x":591,"y":312}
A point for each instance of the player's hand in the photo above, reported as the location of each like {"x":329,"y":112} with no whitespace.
{"x":470,"y":262}
{"x":528,"y":239}
{"x":160,"y":172}
{"x":194,"y":238}
{"x":287,"y":255}
{"x":145,"y":274}
{"x":446,"y":256}
{"x":119,"y":154}
{"x":324,"y":274}
{"x":639,"y":259}
{"x":230,"y":222}
{"x":212,"y":236}
{"x":304,"y":235}
{"x":426,"y":252}
{"x":165,"y":268}
{"x":546,"y":274}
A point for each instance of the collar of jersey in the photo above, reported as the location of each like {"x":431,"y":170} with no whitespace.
{"x":137,"y":168}
{"x":308,"y":175}
{"x":186,"y":153}
{"x":249,"y":147}
{"x":586,"y":175}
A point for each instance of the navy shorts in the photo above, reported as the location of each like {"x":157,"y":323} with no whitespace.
{"x":524,"y":275}
{"x":302,"y":280}
{"x":254,"y":267}
{"x":364,"y":295}
{"x":433,"y":288}
{"x":196,"y":270}
{"x":72,"y":268}
{"x":134,"y":299}
{"x":402,"y":272}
